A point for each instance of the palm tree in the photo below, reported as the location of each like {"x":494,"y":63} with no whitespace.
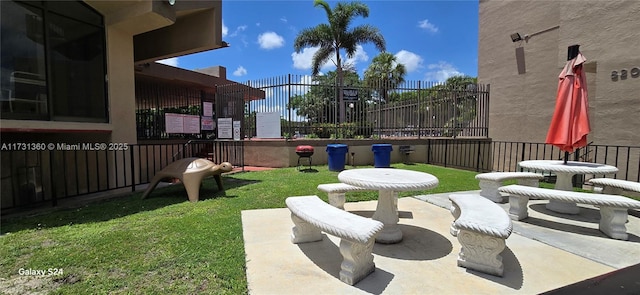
{"x":384,"y":73}
{"x":336,"y":35}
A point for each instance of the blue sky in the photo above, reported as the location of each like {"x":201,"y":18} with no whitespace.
{"x":433,"y":39}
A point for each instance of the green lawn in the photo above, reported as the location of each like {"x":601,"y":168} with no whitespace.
{"x":163,"y":244}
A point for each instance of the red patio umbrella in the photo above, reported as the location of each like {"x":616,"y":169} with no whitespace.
{"x":570,"y":123}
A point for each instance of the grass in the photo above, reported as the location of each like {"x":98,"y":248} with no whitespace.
{"x":163,"y":244}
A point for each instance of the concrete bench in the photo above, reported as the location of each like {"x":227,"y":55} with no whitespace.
{"x":490,"y":182}
{"x":336,"y":192}
{"x":482,"y":228}
{"x":357,"y":234}
{"x":613,"y":208}
{"x":616,"y":186}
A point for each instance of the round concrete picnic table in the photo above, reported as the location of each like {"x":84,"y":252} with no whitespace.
{"x":388,"y":182}
{"x":564,"y":173}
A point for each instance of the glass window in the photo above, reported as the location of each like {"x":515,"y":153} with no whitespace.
{"x":23,"y":72}
{"x":77,"y":69}
{"x":73,"y":47}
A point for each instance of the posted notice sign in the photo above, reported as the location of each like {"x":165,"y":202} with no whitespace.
{"x":181,"y":123}
{"x":207,"y":123}
{"x":268,"y":125}
{"x":225,"y":127}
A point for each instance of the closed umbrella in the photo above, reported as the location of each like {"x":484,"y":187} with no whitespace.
{"x":570,"y":122}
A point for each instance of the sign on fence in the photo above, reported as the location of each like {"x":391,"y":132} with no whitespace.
{"x":268,"y":125}
{"x":225,"y":127}
{"x":349,"y":94}
{"x":180,"y":123}
{"x":207,"y":123}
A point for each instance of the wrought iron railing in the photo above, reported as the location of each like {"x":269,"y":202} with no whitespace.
{"x":32,"y":178}
{"x":483,"y":156}
{"x":310,"y":107}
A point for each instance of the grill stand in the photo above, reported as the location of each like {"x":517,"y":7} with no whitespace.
{"x":304,"y":156}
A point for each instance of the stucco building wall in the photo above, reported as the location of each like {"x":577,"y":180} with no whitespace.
{"x":608,"y":33}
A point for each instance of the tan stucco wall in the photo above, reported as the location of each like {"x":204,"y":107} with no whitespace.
{"x":280,"y":153}
{"x":522,"y":104}
{"x":121,"y":86}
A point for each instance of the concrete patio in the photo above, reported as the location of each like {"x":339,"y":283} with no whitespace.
{"x":546,"y":251}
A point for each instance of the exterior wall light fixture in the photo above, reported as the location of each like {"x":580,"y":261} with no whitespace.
{"x":515,"y":37}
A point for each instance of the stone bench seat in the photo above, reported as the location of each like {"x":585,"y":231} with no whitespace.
{"x":613,"y":208}
{"x":336,"y":192}
{"x":481,"y":227}
{"x":616,"y":186}
{"x":490,"y":182}
{"x":311,"y":216}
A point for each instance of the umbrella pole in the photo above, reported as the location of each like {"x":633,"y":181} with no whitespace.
{"x":572,"y":52}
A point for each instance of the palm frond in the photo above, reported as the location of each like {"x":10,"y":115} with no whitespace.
{"x":344,"y":13}
{"x":319,"y":58}
{"x":324,"y":5}
{"x":368,"y":34}
{"x":319,"y":35}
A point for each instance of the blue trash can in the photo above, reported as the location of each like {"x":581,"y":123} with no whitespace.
{"x":337,"y":154}
{"x":381,"y":155}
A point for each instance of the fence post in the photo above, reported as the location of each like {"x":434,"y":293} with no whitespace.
{"x":419,"y":121}
{"x":54,"y":195}
{"x":428,"y":150}
{"x":478,"y":158}
{"x":446,"y":151}
{"x":132,"y":166}
{"x":289,"y":129}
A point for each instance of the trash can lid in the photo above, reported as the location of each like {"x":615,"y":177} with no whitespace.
{"x":336,"y":146}
{"x":381,"y":147}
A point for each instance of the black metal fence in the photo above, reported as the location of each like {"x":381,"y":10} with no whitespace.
{"x":33,"y":178}
{"x":315,"y":107}
{"x":154,"y":100}
{"x":485,"y":156}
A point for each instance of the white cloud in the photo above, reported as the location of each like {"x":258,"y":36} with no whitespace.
{"x":169,"y":61}
{"x":240,"y":71}
{"x":304,"y":59}
{"x":426,"y":25}
{"x":238,"y":30}
{"x":360,"y":55}
{"x":441,"y":71}
{"x":270,"y":40}
{"x":257,"y":24}
{"x":410,"y":60}
{"x":225,"y":30}
{"x":283,"y":19}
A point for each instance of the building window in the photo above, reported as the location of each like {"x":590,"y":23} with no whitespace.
{"x":53,"y":62}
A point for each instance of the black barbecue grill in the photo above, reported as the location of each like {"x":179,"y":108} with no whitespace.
{"x":304,"y":151}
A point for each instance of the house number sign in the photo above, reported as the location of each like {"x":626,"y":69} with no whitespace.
{"x":623,"y":74}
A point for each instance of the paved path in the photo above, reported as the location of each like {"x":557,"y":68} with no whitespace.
{"x":545,"y":252}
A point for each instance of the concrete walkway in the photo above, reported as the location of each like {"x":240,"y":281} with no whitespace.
{"x":545,"y":252}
